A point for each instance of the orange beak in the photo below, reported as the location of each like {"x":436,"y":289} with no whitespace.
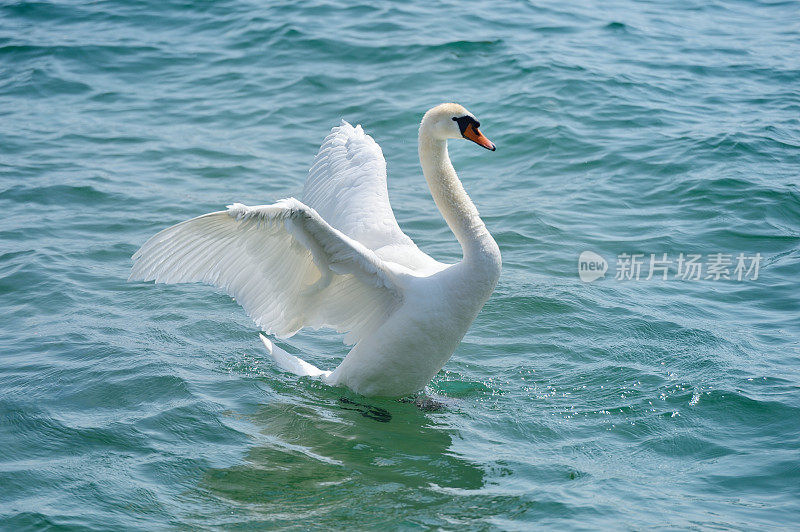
{"x":474,"y":134}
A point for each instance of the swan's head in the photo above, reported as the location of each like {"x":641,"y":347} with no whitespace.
{"x":453,"y":121}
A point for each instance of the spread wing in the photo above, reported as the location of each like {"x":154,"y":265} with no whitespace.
{"x":347,"y":187}
{"x":282,"y":263}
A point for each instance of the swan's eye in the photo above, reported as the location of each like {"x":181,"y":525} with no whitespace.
{"x":465,"y":121}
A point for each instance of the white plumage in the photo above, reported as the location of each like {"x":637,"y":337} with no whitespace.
{"x":347,"y":187}
{"x":339,"y":259}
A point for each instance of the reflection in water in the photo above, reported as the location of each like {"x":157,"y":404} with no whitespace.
{"x":317,"y":458}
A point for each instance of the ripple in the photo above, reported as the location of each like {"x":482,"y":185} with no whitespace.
{"x":567,"y":405}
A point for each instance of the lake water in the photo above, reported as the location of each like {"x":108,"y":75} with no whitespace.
{"x":624,"y":129}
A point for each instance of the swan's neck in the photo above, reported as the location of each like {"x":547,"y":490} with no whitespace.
{"x":453,"y":202}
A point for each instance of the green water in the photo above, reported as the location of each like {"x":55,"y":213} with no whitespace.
{"x":622,"y":128}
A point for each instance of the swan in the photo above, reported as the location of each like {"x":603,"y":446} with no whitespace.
{"x":339,"y":259}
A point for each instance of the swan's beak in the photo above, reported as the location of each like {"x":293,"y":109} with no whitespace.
{"x":474,"y":134}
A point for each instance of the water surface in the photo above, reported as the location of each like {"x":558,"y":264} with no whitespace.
{"x":621,"y":128}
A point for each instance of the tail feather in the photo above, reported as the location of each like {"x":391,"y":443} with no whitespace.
{"x":291,"y":363}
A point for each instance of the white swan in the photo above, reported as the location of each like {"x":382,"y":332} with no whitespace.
{"x":338,"y":259}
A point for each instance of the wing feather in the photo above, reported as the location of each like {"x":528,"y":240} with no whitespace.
{"x":347,"y":186}
{"x":282,"y":263}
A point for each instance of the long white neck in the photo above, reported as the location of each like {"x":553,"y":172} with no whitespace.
{"x":453,"y":202}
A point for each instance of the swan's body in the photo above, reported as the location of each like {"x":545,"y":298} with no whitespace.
{"x":339,"y":259}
